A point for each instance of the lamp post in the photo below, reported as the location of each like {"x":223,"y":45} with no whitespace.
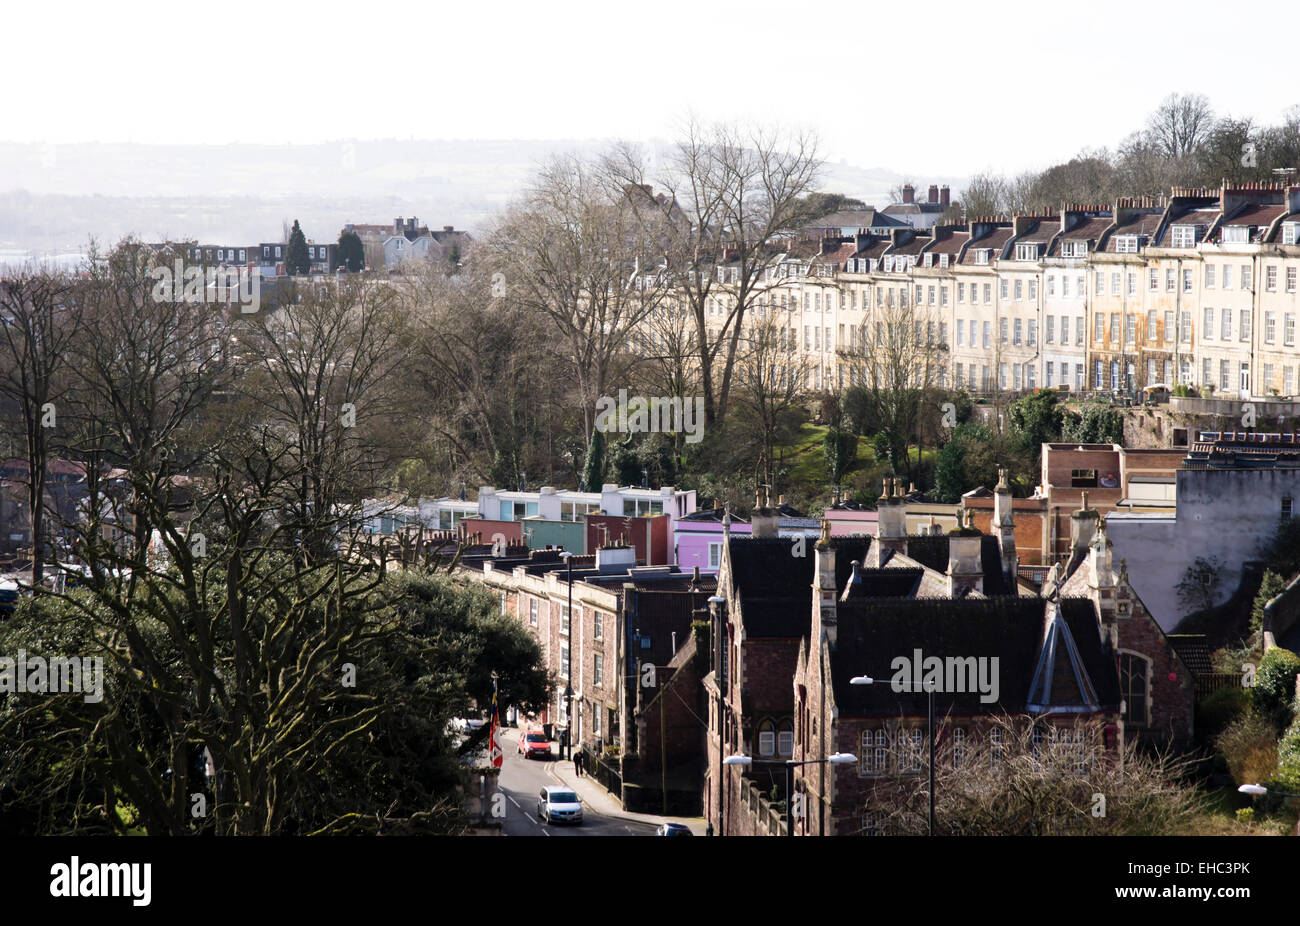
{"x":1260,"y":790}
{"x":839,"y":758}
{"x":929,"y":726}
{"x":568,"y":686}
{"x":715,"y":637}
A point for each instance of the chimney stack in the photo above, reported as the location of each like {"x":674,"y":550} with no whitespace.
{"x":934,"y":193}
{"x":1004,"y":525}
{"x":764,"y":521}
{"x":944,"y":196}
{"x":965,"y":565}
{"x":824,"y":587}
{"x":909,"y":193}
{"x":1083,"y":523}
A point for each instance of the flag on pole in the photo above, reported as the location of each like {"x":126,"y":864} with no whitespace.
{"x":494,"y":735}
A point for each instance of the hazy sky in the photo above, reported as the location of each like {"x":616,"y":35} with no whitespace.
{"x":931,"y":88}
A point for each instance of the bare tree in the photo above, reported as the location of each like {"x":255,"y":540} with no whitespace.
{"x":38,"y":324}
{"x":735,"y":198}
{"x":1027,"y":779}
{"x":772,"y":377}
{"x":1180,"y":124}
{"x":898,"y":363}
{"x":582,"y":251}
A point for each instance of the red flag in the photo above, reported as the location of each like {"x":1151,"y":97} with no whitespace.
{"x":495,"y":751}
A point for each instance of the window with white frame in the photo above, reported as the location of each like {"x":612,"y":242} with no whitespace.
{"x":1270,"y":279}
{"x":1236,"y":234}
{"x":1027,"y":251}
{"x":875,"y":752}
{"x":1207,"y":323}
{"x":1184,"y":236}
{"x":1170,"y":282}
{"x":532,"y":612}
{"x":715,"y":555}
{"x":1126,"y":244}
{"x":1209,"y":276}
{"x":982,"y":255}
{"x":598,"y":670}
{"x":1134,"y":678}
{"x":1270,"y":326}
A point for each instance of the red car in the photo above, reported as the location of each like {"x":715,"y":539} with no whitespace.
{"x":534,"y":744}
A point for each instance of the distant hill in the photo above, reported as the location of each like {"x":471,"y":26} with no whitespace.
{"x":58,"y":196}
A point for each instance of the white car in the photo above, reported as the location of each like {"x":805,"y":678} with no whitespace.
{"x":559,"y":805}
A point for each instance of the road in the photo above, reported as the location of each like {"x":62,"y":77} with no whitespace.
{"x":522,"y":779}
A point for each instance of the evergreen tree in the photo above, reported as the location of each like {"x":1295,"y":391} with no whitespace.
{"x":296,"y":261}
{"x":352,"y":254}
{"x":593,"y":468}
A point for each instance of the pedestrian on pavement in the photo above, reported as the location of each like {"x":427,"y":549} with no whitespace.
{"x":577,"y":763}
{"x":708,"y":830}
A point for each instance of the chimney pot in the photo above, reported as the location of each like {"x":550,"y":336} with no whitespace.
{"x":909,"y":193}
{"x":934,"y":193}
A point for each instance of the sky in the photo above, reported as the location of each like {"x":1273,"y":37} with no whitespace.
{"x":940,"y":88}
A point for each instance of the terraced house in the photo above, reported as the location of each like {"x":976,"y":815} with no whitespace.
{"x":1199,"y":288}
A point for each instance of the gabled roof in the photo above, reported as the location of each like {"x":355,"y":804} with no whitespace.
{"x":775,"y":586}
{"x":872,"y":633}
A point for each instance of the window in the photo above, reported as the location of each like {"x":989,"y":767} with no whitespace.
{"x":1002,"y":289}
{"x":564,"y":618}
{"x":1207,"y":377}
{"x":1286,"y":508}
{"x":1114,"y":327}
{"x":1289,"y":232}
{"x":996,"y":751}
{"x":1032,"y":339}
{"x":943,"y":295}
{"x":564,"y":659}
{"x":1290,"y":279}
{"x":1002,"y":375}
{"x":1236,"y":234}
{"x":1169,"y":326}
{"x":1100,"y":288}
{"x":1207,"y":325}
{"x":1126,"y":244}
{"x":1133,"y":672}
{"x":1186,"y":334}
{"x":1184,"y":236}
{"x":1288,"y":380}
{"x":1114,"y":284}
{"x":1002,"y":330}
{"x":1074,"y":248}
{"x":1187,"y":281}
{"x":1065,"y":329}
{"x":988,"y":293}
{"x":532,"y":612}
{"x":1227,"y":276}
{"x":597,"y":626}
{"x":961,"y":292}
{"x":1098,"y":374}
{"x":1270,"y":326}
{"x":958,"y":747}
{"x":1151,"y":324}
{"x":1065,"y":286}
{"x":1026,"y":252}
{"x":988,"y":340}
{"x":1225,"y":375}
{"x":1288,"y":329}
{"x":1244,"y":329}
{"x":982,"y":255}
{"x":873,"y":823}
{"x":1153,"y":279}
{"x":785,"y":739}
{"x":1048,"y":333}
{"x":1017,"y":332}
{"x":1226,"y":332}
{"x":1209,"y":276}
{"x":598,"y":671}
{"x":1268,"y":376}
{"x":875,"y":752}
{"x":1170,"y":282}
{"x":715,"y":555}
{"x":1245,"y":276}
{"x":1270,"y":279}
{"x":911,"y":742}
{"x":1033,"y":289}
{"x":1132,"y":283}
{"x":961,"y":332}
{"x":1019,"y":290}
{"x":1098,"y":326}
{"x":1130,"y":329}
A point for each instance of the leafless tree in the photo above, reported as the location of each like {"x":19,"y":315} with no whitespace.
{"x":581,"y":250}
{"x":734,"y":199}
{"x":39,"y":322}
{"x":1053,"y":778}
{"x":772,"y":378}
{"x":1180,"y":124}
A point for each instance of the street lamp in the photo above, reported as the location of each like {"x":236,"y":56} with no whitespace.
{"x":568,"y":687}
{"x":929,"y":726}
{"x":1260,"y":790}
{"x":839,"y":758}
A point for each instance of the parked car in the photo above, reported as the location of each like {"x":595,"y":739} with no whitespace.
{"x":534,"y":744}
{"x":673,"y":829}
{"x":559,"y":805}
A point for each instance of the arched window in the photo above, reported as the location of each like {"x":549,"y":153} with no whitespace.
{"x":766,"y":739}
{"x":1134,"y":684}
{"x":785,"y":739}
{"x":958,"y":747}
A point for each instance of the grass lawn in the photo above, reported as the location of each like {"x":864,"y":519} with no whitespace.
{"x":805,"y":461}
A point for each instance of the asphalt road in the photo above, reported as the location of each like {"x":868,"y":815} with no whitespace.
{"x":522,"y":779}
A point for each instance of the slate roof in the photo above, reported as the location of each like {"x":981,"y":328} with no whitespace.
{"x":775,"y":586}
{"x":873,"y":632}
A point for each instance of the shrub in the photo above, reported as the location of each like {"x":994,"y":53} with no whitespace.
{"x":1274,"y":692}
{"x":1288,"y":759}
{"x":1249,"y":746}
{"x":1219,"y":709}
{"x":1246,"y":815}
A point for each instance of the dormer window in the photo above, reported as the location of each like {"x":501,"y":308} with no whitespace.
{"x":982,"y":255}
{"x":1126,"y":244}
{"x":1185,"y":236}
{"x":1289,"y":230}
{"x":1027,"y":251}
{"x":889,"y":265}
{"x":1074,"y":249}
{"x":943,"y":260}
{"x":929,"y":260}
{"x":875,"y":264}
{"x":1236,"y":234}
